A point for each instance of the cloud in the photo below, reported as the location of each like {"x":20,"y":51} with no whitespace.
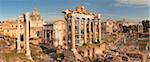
{"x":141,"y":3}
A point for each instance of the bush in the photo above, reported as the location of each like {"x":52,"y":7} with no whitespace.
{"x":60,"y":55}
{"x":48,"y":50}
{"x":45,"y":49}
{"x":52,"y":50}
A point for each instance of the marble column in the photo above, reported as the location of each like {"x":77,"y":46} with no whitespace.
{"x":73,"y":32}
{"x":18,"y":36}
{"x":85,"y":31}
{"x":27,"y":50}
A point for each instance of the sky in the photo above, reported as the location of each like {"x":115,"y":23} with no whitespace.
{"x":132,"y":10}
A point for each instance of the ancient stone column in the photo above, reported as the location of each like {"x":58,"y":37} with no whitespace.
{"x":66,"y":32}
{"x":73,"y":32}
{"x":94,"y":30}
{"x":45,"y":33}
{"x":27,"y":50}
{"x":99,"y":22}
{"x":90,"y":38}
{"x":85,"y":32}
{"x":79,"y":26}
{"x":18,"y":36}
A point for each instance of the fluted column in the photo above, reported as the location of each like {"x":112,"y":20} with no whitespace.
{"x":27,"y":50}
{"x":73,"y":32}
{"x":18,"y":36}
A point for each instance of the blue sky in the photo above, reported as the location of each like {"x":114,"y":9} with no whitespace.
{"x":132,"y":10}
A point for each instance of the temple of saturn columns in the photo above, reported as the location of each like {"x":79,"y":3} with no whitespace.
{"x":82,"y":27}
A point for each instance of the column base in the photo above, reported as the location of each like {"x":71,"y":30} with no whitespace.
{"x":18,"y":51}
{"x":29,"y":57}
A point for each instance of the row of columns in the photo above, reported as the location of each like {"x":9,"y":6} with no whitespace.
{"x":26,"y":34}
{"x":95,"y":22}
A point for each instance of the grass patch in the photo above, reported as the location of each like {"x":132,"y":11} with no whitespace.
{"x":9,"y":57}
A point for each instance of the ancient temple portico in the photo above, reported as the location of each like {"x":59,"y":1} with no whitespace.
{"x":82,"y":27}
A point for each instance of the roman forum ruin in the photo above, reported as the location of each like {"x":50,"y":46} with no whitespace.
{"x":82,"y":27}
